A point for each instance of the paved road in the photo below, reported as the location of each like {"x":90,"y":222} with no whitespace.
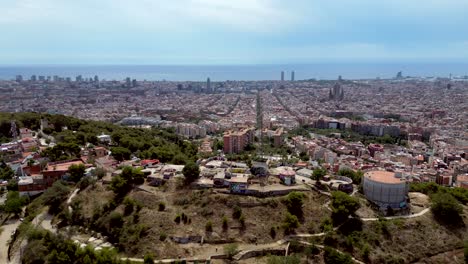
{"x":5,"y":237}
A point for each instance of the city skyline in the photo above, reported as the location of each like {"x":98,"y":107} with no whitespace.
{"x":240,"y":32}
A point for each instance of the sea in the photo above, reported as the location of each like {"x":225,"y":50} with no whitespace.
{"x":319,"y":71}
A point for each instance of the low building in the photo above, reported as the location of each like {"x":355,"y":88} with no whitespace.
{"x":57,"y":170}
{"x":238,"y":184}
{"x":288,"y":177}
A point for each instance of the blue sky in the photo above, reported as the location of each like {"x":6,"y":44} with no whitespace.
{"x":232,"y":31}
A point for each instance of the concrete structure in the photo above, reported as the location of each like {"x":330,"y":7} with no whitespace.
{"x":288,"y":177}
{"x":236,"y":141}
{"x":385,"y":189}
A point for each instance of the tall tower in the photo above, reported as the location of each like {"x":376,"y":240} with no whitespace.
{"x":208,"y":85}
{"x":282,"y":76}
{"x":292,"y":76}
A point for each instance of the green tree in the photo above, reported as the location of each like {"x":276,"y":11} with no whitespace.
{"x":356,"y":176}
{"x":343,"y":206}
{"x":120,"y":153}
{"x":76,"y":172}
{"x":294,"y":202}
{"x":6,"y":173}
{"x":179,"y":159}
{"x":14,"y":203}
{"x":446,"y":208}
{"x":318,"y":174}
{"x":290,"y":223}
{"x":191,"y":172}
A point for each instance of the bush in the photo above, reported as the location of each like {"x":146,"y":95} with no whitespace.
{"x":237,"y":212}
{"x":209,"y":226}
{"x":326,"y":225}
{"x":290,"y":223}
{"x":446,"y":208}
{"x":177,"y":219}
{"x":161,"y":206}
{"x":230,"y":250}
{"x":162,"y":236}
{"x":242,"y":221}
{"x":225,"y":223}
{"x":334,"y":257}
{"x":294,"y":202}
{"x":148,"y":259}
{"x":273,"y":232}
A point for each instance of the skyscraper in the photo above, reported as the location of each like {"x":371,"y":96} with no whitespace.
{"x":208,"y":85}
{"x":19,"y":78}
{"x":292,"y":76}
{"x":33,"y":78}
{"x":282,"y":76}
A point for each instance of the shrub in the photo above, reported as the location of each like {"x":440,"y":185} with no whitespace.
{"x":446,"y":208}
{"x":209,"y":226}
{"x":242,"y":221}
{"x":294,"y":202}
{"x":161,"y":206}
{"x":237,"y":212}
{"x":230,"y":250}
{"x":225,"y":223}
{"x":177,"y":219}
{"x":290,"y":223}
{"x":148,"y":259}
{"x":273,"y":232}
{"x":334,"y":257}
{"x":162,"y":236}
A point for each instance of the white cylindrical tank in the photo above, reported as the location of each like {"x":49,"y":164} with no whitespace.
{"x":384,"y":189}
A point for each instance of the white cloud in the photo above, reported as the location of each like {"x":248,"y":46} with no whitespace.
{"x":242,"y":15}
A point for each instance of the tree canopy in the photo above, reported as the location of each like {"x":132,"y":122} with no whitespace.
{"x":446,"y":208}
{"x":343,"y":206}
{"x":76,"y":172}
{"x":191,"y":172}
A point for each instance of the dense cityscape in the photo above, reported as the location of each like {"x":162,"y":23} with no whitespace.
{"x":379,"y":147}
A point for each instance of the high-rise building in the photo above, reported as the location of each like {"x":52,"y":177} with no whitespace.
{"x":79,"y":78}
{"x":282,"y":76}
{"x":336,"y":93}
{"x":208,"y":85}
{"x":128,"y":82}
{"x":134,"y":83}
{"x":292,"y":76}
{"x":41,"y":78}
{"x":236,"y":141}
{"x":96,"y":78}
{"x":56,"y":78}
{"x":33,"y":78}
{"x":19,"y":78}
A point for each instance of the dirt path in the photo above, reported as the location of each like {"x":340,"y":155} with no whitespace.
{"x":5,"y":236}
